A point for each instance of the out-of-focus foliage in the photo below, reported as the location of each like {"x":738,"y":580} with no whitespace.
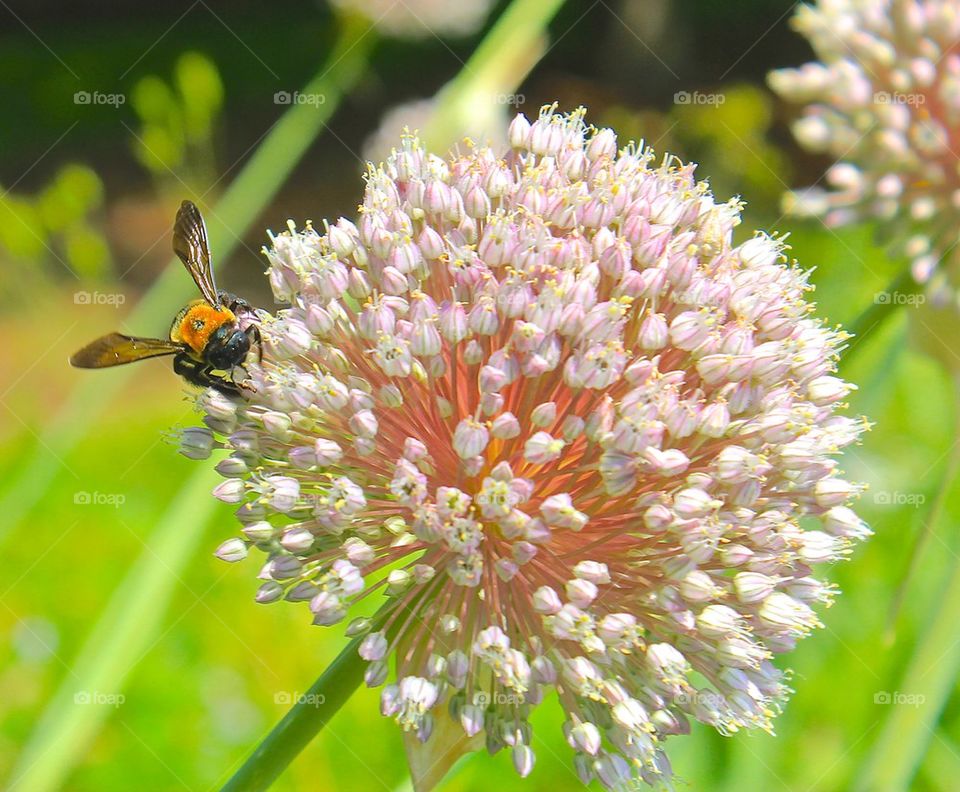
{"x":60,"y":228}
{"x":55,"y":229}
{"x":178,"y":121}
{"x":728,"y":137}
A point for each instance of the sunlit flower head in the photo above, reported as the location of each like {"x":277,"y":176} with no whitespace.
{"x":884,"y":102}
{"x":580,"y":441}
{"x":417,"y":19}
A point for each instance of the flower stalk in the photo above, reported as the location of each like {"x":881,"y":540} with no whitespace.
{"x":495,"y":67}
{"x":875,"y":315}
{"x":305,"y":719}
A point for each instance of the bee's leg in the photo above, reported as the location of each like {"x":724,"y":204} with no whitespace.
{"x":253,"y":333}
{"x":201,"y":375}
{"x":241,"y":308}
{"x":188,"y":368}
{"x":246,"y":383}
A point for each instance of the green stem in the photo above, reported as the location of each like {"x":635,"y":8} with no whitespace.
{"x":499,"y":64}
{"x":929,"y":679}
{"x":242,"y":202}
{"x":302,"y":723}
{"x":873,"y":317}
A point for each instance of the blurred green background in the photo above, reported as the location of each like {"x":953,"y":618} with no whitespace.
{"x":128,"y":653}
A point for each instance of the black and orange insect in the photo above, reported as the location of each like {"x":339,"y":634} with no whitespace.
{"x":206,"y":338}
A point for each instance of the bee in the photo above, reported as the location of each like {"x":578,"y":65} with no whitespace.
{"x":206,"y":338}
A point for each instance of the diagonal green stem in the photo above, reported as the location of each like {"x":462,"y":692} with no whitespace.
{"x":302,"y":723}
{"x":242,"y":202}
{"x":499,"y":64}
{"x":873,"y":316}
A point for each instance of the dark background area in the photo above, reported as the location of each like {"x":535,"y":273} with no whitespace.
{"x":595,"y":58}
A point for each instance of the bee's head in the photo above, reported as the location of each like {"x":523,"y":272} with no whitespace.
{"x":227,"y":347}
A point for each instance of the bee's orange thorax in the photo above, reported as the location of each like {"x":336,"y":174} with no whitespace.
{"x":197,"y":322}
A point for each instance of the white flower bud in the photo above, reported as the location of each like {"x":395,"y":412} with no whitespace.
{"x":546,"y":600}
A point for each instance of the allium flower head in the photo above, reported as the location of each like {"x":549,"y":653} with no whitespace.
{"x":581,"y":441}
{"x":884,"y":100}
{"x":417,"y":19}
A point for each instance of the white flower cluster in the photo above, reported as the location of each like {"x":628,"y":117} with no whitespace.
{"x":580,"y":440}
{"x":884,"y":101}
